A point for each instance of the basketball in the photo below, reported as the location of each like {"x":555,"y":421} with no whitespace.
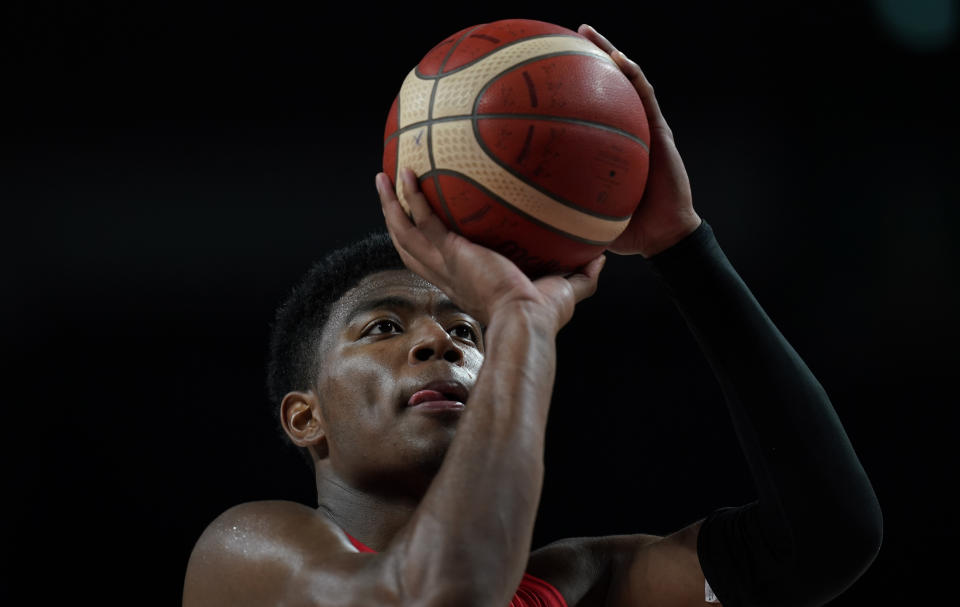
{"x":526,"y":138}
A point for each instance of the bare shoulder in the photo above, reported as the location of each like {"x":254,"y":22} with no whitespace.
{"x":664,"y":572}
{"x":581,"y":568}
{"x":624,"y":570}
{"x":249,"y":551}
{"x":269,"y":518}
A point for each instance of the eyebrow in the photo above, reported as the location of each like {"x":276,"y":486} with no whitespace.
{"x":395,"y":302}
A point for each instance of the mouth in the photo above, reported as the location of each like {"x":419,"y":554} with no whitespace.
{"x":439,"y":396}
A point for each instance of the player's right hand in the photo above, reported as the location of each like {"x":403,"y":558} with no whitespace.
{"x":479,"y":280}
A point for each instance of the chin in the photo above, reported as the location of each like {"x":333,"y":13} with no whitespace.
{"x":427,"y":454}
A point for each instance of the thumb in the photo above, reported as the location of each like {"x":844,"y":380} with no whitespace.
{"x":584,"y":281}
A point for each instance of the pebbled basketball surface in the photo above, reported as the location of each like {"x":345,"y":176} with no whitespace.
{"x":526,"y":137}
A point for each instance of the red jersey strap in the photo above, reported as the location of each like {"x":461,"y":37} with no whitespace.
{"x":358,"y":544}
{"x":532,"y":592}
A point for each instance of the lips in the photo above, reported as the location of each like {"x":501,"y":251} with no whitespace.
{"x":439,"y":392}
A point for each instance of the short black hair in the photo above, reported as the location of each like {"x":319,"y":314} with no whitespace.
{"x":294,"y":357}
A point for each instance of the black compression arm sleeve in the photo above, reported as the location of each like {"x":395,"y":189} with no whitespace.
{"x":816,"y":525}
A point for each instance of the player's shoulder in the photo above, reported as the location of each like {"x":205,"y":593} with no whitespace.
{"x":269,"y":522}
{"x":252,"y":543}
{"x":581,"y":567}
{"x":272,"y":511}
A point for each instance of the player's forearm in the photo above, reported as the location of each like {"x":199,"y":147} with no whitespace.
{"x":477,"y":518}
{"x":814,"y":494}
{"x":768,"y":387}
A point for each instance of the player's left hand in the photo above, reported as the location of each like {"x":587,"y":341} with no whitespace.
{"x":665,"y":213}
{"x":477,"y":279}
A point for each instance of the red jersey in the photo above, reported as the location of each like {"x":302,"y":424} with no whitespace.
{"x":533,"y":592}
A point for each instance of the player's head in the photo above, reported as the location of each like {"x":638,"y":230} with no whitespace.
{"x":294,"y":357}
{"x":356,"y":338}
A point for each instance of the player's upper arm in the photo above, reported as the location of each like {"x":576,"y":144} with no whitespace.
{"x":661,"y":573}
{"x":271,"y":553}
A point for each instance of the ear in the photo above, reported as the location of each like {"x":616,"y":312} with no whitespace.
{"x":303,"y":421}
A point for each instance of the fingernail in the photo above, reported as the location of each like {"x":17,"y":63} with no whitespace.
{"x":379,"y":183}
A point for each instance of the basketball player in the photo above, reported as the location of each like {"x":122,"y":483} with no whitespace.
{"x":419,"y":384}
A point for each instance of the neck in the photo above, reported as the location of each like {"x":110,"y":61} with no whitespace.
{"x":372,"y":518}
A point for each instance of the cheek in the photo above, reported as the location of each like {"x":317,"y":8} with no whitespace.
{"x":356,"y":388}
{"x":473,"y":360}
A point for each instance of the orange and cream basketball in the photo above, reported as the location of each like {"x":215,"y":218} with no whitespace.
{"x":526,"y":138}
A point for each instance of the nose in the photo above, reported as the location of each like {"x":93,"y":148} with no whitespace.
{"x":435,"y":343}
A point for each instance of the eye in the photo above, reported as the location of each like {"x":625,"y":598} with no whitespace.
{"x":383,"y":327}
{"x":464,"y":331}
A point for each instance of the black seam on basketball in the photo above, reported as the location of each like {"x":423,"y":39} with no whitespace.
{"x":433,"y":95}
{"x":577,"y":121}
{"x":507,"y":168}
{"x":475,"y":117}
{"x":551,"y":195}
{"x":548,"y":117}
{"x":427,"y":123}
{"x":486,"y":37}
{"x":441,"y":74}
{"x":396,"y":158}
{"x":476,"y":214}
{"x":522,"y":213}
{"x":493,"y":79}
{"x":454,"y":47}
{"x":526,"y":145}
{"x":531,"y":88}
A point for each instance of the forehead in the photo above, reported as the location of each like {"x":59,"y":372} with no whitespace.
{"x":382,"y":285}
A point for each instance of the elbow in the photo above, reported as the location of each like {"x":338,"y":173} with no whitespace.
{"x":863,"y":538}
{"x":853,"y":547}
{"x":871,"y":536}
{"x":860,"y":530}
{"x":825,"y":556}
{"x":825,"y":572}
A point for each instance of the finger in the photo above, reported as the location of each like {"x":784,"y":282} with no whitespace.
{"x":412,"y":261}
{"x":416,"y":250}
{"x":423,"y":215}
{"x":632,"y":71}
{"x":389,"y":200}
{"x":643,"y":87}
{"x":399,"y":224}
{"x":596,"y":37}
{"x":584,"y":282}
{"x":400,"y":227}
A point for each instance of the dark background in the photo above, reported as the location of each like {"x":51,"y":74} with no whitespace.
{"x":169,"y":170}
